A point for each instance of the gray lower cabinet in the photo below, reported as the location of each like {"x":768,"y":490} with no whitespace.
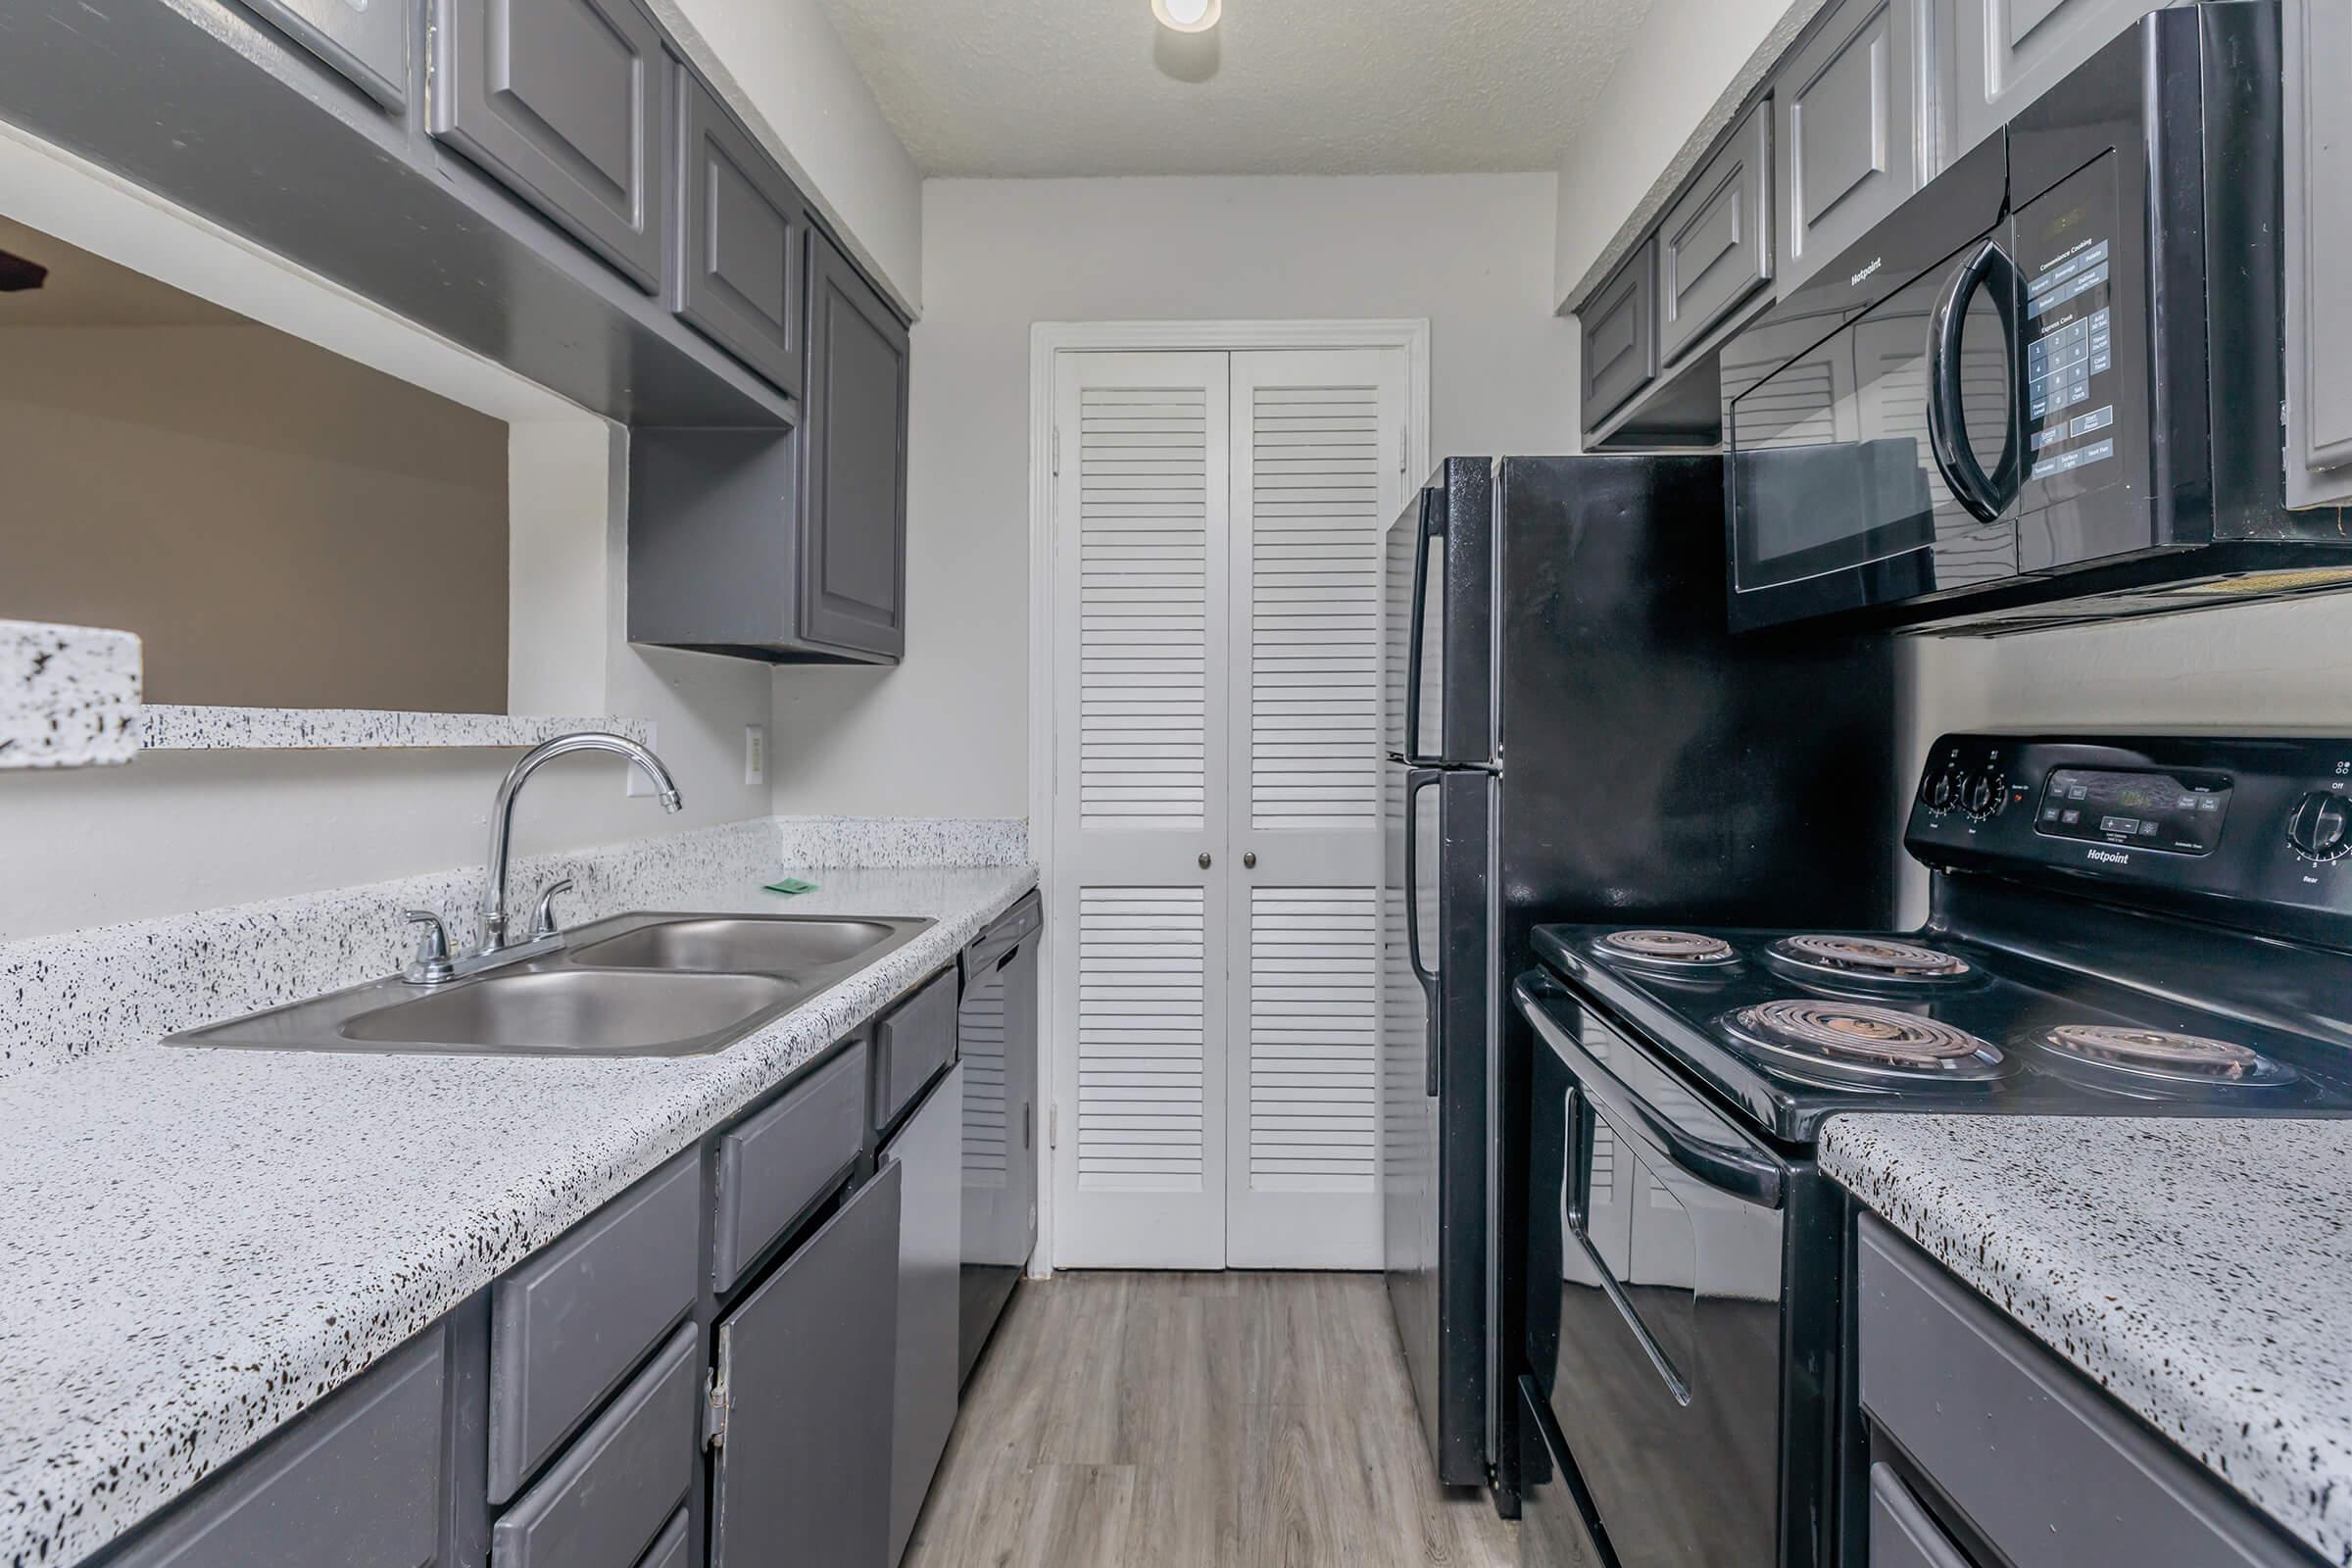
{"x":563,"y":102}
{"x":802,"y":1465}
{"x":2318,"y":57}
{"x":370,"y":1478}
{"x":928,"y":1151}
{"x":852,"y":585}
{"x":1715,"y":242}
{"x":777,"y":1164}
{"x":912,"y":1043}
{"x":366,"y":42}
{"x":1619,"y":328}
{"x":1847,"y":101}
{"x":742,"y":244}
{"x":606,"y":1503}
{"x":2012,"y":1444}
{"x":1999,"y":55}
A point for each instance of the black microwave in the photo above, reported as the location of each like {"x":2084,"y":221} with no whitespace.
{"x":2046,"y":388}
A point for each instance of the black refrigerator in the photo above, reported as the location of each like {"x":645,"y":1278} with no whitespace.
{"x":1573,"y":734}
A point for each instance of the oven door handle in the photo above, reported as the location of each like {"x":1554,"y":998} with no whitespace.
{"x":1735,"y":1171}
{"x":1579,"y":1207}
{"x":1986,"y":495}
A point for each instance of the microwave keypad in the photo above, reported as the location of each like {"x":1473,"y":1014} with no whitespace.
{"x":2067,"y":386}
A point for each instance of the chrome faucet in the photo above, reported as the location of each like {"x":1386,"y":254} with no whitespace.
{"x":493,"y":946}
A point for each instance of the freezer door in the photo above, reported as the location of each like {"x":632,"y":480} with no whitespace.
{"x":1438,"y":591}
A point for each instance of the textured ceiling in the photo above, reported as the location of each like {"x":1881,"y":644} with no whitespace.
{"x":1044,"y":88}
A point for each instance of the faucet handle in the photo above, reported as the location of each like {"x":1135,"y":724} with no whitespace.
{"x":431,"y":965}
{"x":543,"y":923}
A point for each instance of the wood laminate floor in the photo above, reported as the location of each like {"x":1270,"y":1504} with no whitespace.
{"x":1197,"y":1421}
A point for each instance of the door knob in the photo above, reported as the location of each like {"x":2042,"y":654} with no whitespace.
{"x":1249,"y":857}
{"x":1203,"y":860}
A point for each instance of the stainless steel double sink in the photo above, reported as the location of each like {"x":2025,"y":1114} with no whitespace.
{"x":635,"y":984}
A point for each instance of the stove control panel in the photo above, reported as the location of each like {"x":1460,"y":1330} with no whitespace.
{"x":2256,"y":832}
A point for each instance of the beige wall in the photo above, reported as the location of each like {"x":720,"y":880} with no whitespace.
{"x":282,"y":527}
{"x":947,"y":733}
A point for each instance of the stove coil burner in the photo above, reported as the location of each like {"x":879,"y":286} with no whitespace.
{"x":1670,"y":948}
{"x":1869,"y":959}
{"x":2163,"y":1053}
{"x":1856,"y":1039}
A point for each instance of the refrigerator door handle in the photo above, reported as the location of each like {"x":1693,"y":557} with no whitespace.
{"x":1432,"y":527}
{"x":1416,"y":782}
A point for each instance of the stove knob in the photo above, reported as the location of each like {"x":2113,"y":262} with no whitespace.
{"x":1986,"y":796}
{"x":1945,"y":791}
{"x":2320,"y":826}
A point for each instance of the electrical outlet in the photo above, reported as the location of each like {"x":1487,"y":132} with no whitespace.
{"x":638,"y":783}
{"x":755,"y":753}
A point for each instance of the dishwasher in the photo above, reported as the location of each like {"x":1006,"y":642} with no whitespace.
{"x":995,"y":1028}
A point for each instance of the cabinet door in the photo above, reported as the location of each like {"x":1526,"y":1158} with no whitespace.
{"x":2004,"y":54}
{"x":854,"y":521}
{"x":560,"y":100}
{"x":367,"y":41}
{"x":2318,"y":235}
{"x":1847,"y":101}
{"x":807,"y":1363}
{"x":928,"y":1152}
{"x":1620,"y":331}
{"x":742,"y":249}
{"x":1715,"y":244}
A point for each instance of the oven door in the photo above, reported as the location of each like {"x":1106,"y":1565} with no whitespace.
{"x":1655,"y":1289}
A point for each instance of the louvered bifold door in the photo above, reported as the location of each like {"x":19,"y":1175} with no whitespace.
{"x":1317,"y":472}
{"x":1141,"y":549}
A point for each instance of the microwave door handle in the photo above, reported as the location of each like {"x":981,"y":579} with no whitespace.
{"x":1432,"y":527}
{"x":1986,"y":495}
{"x":1414,"y":783}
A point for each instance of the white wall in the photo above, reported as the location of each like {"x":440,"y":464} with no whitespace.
{"x":783,"y":68}
{"x":946,"y":733}
{"x":1685,"y":54}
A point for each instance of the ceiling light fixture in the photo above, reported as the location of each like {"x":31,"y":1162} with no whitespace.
{"x":1188,"y":16}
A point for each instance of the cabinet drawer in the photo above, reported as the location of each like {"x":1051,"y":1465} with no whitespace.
{"x":2052,"y":1472}
{"x":356,"y":1482}
{"x":1620,"y":332}
{"x":1715,"y":244}
{"x":561,"y":101}
{"x":671,"y":1548}
{"x":741,"y":258}
{"x":366,"y":42}
{"x":609,"y":1496}
{"x":912,"y":1043}
{"x":567,"y":1326}
{"x":1847,"y":103}
{"x":784,"y":1159}
{"x":1902,"y":1534}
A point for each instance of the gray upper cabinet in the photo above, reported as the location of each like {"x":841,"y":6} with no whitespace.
{"x":2319,"y":236}
{"x":853,"y":588}
{"x":1847,"y":101}
{"x":1715,"y":242}
{"x":806,"y":1369}
{"x":366,"y":42}
{"x":1619,"y":328}
{"x":742,"y":249}
{"x":2001,"y":54}
{"x":561,"y":101}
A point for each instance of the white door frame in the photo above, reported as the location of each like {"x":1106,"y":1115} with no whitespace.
{"x":1046,"y":340}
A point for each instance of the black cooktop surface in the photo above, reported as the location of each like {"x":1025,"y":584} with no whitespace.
{"x":1792,"y":1026}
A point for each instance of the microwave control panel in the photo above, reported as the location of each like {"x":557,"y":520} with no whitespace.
{"x":2066,"y":243}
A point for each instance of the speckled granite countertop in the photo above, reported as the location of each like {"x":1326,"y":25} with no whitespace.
{"x":199,"y":1244}
{"x":2199,"y":1271}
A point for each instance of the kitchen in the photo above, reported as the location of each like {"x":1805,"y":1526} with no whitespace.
{"x":685,"y":1226}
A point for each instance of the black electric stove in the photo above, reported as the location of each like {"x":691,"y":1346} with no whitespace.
{"x":2131,"y":926}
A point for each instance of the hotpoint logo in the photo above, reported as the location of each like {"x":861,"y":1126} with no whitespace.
{"x":1857,"y":279}
{"x":2110,"y":857}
